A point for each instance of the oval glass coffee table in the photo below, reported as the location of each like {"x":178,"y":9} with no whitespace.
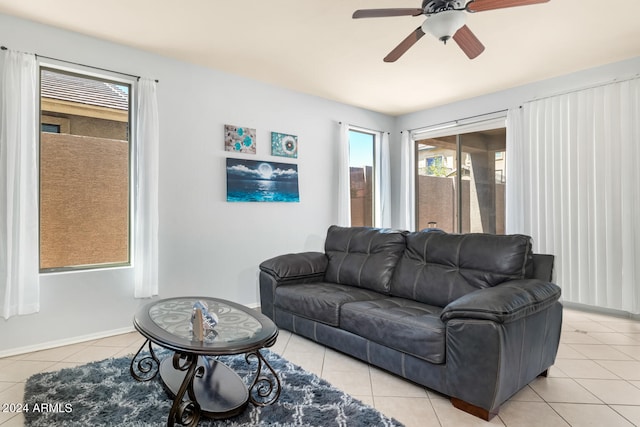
{"x":198,"y":383}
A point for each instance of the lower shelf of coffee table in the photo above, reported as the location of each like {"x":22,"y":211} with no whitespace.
{"x":220,"y":392}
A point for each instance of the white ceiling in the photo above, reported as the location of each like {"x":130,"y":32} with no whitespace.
{"x":316,"y":48}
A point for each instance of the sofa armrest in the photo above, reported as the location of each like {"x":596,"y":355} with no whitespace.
{"x":504,"y":303}
{"x":289,"y":269}
{"x":543,"y":267}
{"x":296,"y":266}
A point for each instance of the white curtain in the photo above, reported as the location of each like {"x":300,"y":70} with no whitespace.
{"x":344,"y":188}
{"x":407,"y":182}
{"x":577,"y":191}
{"x":383,"y":217}
{"x":146,"y":208}
{"x":19,"y":257}
{"x":516,"y":172}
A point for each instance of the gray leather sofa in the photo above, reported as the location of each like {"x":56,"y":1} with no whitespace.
{"x":472,"y":316}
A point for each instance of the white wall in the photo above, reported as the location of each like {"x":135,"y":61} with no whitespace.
{"x":501,"y":101}
{"x":207,"y":246}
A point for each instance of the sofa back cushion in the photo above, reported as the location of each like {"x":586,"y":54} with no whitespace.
{"x":362,"y":256}
{"x":437,"y":268}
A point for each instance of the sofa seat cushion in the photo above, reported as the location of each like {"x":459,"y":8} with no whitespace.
{"x":401,"y":324}
{"x":320,"y":301}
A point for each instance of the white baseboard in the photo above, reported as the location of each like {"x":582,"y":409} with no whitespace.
{"x":601,"y":310}
{"x":67,"y":341}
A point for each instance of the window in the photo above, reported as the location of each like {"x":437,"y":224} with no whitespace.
{"x":84,"y":171}
{"x":460,"y":183}
{"x":361,"y":161}
{"x":47,"y":127}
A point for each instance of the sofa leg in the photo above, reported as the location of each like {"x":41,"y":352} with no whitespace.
{"x":473,"y":409}
{"x":545,"y":373}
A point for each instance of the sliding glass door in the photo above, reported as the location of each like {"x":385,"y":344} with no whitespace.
{"x":460,"y":182}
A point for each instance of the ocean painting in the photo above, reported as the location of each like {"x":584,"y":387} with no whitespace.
{"x":255,"y":181}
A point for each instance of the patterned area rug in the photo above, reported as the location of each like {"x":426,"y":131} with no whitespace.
{"x":104,"y":394}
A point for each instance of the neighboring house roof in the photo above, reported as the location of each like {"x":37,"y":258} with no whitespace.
{"x":83,"y":90}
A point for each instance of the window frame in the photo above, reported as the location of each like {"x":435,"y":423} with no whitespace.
{"x":112,"y":77}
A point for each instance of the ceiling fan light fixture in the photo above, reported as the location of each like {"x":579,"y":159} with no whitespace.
{"x":443,"y":25}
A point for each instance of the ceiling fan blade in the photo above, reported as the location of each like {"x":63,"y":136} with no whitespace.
{"x":381,"y":13}
{"x":482,"y":5}
{"x":468,"y":42}
{"x":404,"y":45}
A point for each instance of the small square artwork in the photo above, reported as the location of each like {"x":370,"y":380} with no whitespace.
{"x":258,"y":181}
{"x":284,"y":145}
{"x":239,"y":139}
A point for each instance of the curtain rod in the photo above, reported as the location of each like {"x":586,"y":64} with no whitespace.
{"x":367,"y":129}
{"x":84,"y":65}
{"x":456,"y":121}
{"x":592,"y":86}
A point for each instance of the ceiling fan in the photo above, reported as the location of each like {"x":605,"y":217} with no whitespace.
{"x":445,"y":20}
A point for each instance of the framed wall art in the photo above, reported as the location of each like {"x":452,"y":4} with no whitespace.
{"x":261,"y":181}
{"x":284,"y":145}
{"x":239,"y":139}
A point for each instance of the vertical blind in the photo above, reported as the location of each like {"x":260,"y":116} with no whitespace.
{"x":574,"y":185}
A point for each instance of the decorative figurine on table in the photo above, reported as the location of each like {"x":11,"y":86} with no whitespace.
{"x":202,"y":321}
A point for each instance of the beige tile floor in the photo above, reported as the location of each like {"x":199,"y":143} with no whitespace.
{"x":595,"y":381}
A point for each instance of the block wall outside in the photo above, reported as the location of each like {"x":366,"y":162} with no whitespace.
{"x":361,"y":196}
{"x":436,"y":198}
{"x":84,"y":200}
{"x":436,"y":202}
